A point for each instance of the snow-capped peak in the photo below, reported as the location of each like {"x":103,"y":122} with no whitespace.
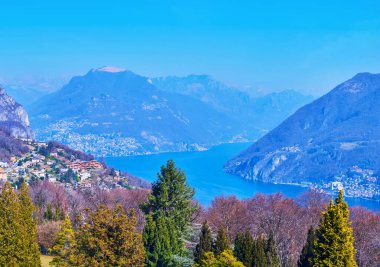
{"x":110,"y":69}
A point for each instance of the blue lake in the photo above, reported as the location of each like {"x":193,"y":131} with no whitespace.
{"x":204,"y":171}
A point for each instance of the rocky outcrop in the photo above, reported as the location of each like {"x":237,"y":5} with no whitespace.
{"x":13,"y":117}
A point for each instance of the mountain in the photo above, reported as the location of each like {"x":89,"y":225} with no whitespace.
{"x":24,"y":95}
{"x":260,"y":113}
{"x":115,"y":112}
{"x":13,"y":117}
{"x":331,"y":142}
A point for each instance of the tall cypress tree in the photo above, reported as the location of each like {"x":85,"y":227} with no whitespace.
{"x":334,"y":244}
{"x":307,"y":254}
{"x":244,"y":248}
{"x":239,"y":247}
{"x":259,"y":257}
{"x":28,"y":220}
{"x":273,"y":260}
{"x":222,"y":241}
{"x":205,"y":243}
{"x":169,"y":206}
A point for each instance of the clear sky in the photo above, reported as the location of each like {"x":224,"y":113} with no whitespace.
{"x":305,"y":45}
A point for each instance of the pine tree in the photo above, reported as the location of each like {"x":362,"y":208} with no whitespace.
{"x":205,"y":243}
{"x":109,"y":238}
{"x":11,"y":230}
{"x":48,"y":214}
{"x":64,"y":249}
{"x":334,"y":244}
{"x":244,"y":248}
{"x":157,"y":241}
{"x":259,"y":257}
{"x":307,"y":254}
{"x":273,"y":259}
{"x":169,"y":206}
{"x":28,"y":221}
{"x":222,"y":241}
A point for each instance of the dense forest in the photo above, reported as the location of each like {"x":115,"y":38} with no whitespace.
{"x":165,"y":226}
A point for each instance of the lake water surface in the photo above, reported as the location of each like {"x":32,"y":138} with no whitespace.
{"x":204,"y":171}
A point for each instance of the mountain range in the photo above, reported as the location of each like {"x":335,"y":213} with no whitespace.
{"x":333,"y":142}
{"x":114,"y":112}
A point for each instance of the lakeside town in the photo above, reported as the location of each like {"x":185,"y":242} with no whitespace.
{"x":59,"y":164}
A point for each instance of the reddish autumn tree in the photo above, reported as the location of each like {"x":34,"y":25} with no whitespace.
{"x":366,"y":229}
{"x":227,"y":211}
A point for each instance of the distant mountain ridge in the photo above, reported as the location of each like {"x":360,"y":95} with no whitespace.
{"x":111,"y":111}
{"x":336,"y":138}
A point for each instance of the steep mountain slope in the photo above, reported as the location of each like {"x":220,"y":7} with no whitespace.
{"x":13,"y":117}
{"x":255,"y":113}
{"x":334,"y":139}
{"x":111,"y":112}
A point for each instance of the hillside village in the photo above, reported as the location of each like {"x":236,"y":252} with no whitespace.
{"x":60,"y":164}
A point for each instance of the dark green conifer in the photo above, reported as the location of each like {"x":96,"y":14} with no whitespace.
{"x":273,"y":260}
{"x":170,"y":209}
{"x":307,"y":253}
{"x":222,"y":241}
{"x":244,"y":248}
{"x":48,"y":214}
{"x":259,"y":257}
{"x":205,"y":243}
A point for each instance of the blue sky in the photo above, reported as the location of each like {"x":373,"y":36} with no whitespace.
{"x":271,"y":45}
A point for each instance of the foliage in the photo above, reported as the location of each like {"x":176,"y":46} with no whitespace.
{"x":334,"y":244}
{"x":259,"y":257}
{"x":224,"y":259}
{"x":307,"y":254}
{"x":109,"y":238}
{"x":18,"y":233}
{"x":222,"y":241}
{"x":64,"y":249}
{"x":244,"y":248}
{"x":273,"y":259}
{"x":168,"y":211}
{"x":28,"y":221}
{"x":205,"y":243}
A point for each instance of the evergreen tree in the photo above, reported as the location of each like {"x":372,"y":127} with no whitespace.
{"x":307,"y":253}
{"x":334,"y":244}
{"x":222,"y":241}
{"x":244,"y":248}
{"x":28,"y":221}
{"x":48,"y":214}
{"x":273,"y":260}
{"x":157,"y":241}
{"x":259,"y":257}
{"x":109,"y":238}
{"x":11,"y":230}
{"x":170,"y":207}
{"x":205,"y":243}
{"x":64,"y":249}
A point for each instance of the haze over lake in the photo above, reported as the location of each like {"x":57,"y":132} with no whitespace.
{"x":204,"y":171}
